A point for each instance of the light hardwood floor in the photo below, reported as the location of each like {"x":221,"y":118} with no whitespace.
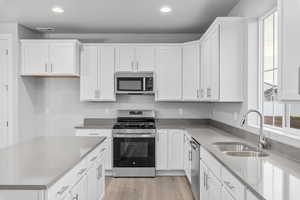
{"x":159,"y":188}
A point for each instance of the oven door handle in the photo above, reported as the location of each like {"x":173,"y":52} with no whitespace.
{"x":134,"y":135}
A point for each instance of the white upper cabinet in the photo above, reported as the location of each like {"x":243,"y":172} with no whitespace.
{"x":191,"y":72}
{"x":50,"y":57}
{"x":135,"y":58}
{"x":222,"y":61}
{"x":125,"y":59}
{"x":97,"y":73}
{"x":145,"y":58}
{"x":168,"y":73}
{"x":35,"y":58}
{"x":289,"y":43}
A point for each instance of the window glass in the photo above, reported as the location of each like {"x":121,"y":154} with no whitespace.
{"x":273,"y":110}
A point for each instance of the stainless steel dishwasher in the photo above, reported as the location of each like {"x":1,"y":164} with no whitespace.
{"x":195,"y":170}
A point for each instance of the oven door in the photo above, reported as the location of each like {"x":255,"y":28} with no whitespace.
{"x":133,"y":152}
{"x":130,"y":84}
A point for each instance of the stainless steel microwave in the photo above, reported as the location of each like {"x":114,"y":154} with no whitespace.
{"x":134,"y":83}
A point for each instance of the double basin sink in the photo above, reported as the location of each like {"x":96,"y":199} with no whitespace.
{"x":239,"y":149}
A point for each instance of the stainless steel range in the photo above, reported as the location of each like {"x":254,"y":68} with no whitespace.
{"x":134,"y":144}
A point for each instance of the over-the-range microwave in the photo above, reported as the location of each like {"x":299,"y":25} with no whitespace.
{"x":134,"y":83}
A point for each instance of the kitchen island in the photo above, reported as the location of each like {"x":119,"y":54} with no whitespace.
{"x":53,"y":168}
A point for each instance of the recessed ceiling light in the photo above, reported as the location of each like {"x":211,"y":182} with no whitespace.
{"x":165,"y":9}
{"x":57,"y":9}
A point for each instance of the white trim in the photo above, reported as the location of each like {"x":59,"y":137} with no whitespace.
{"x":10,"y":134}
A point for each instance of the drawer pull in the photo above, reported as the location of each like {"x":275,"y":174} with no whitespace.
{"x":102,"y":150}
{"x":75,"y":197}
{"x":62,"y":190}
{"x":229,"y":185}
{"x":93,"y":159}
{"x":81,"y":171}
{"x":93,"y":133}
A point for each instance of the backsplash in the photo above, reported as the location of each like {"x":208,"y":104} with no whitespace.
{"x":62,"y":109}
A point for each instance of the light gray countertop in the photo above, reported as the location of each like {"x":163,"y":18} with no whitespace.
{"x":269,"y":178}
{"x":40,"y":162}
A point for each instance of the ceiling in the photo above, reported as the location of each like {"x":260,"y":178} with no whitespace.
{"x":116,"y":16}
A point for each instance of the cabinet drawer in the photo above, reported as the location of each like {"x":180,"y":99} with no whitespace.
{"x":61,"y":188}
{"x":96,"y":154}
{"x":211,"y":162}
{"x":93,"y":132}
{"x":234,"y":186}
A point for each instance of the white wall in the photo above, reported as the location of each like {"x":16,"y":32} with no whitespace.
{"x":231,"y":113}
{"x":59,"y":101}
{"x":22,"y":118}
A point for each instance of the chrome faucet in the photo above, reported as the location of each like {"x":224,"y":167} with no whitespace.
{"x":262,"y":143}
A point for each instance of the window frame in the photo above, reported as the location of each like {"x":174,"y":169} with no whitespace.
{"x":287,"y":107}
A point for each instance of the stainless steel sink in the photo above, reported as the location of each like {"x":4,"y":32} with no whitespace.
{"x":239,"y":149}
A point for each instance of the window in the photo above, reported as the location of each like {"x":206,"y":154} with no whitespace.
{"x":276,"y":114}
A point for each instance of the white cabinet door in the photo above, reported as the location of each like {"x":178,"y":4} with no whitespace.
{"x":289,"y":43}
{"x":187,"y":157}
{"x":106,"y":69}
{"x":125,"y":59}
{"x":214,"y":187}
{"x":250,"y":196}
{"x":175,"y":150}
{"x":100,"y":179}
{"x":79,"y":191}
{"x":162,"y":150}
{"x":62,"y":58}
{"x":89,"y":74}
{"x":35,"y":58}
{"x":92,"y":182}
{"x":214,"y":72}
{"x":145,"y":58}
{"x":203,"y":178}
{"x":190,"y":72}
{"x":168,"y":73}
{"x":204,"y":50}
{"x":226,"y":195}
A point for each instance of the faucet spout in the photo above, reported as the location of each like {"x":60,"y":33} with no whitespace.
{"x":262,"y":143}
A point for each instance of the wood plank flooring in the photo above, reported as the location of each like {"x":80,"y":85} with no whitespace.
{"x":159,"y":188}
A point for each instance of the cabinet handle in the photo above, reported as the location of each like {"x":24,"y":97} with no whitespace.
{"x":97,"y":93}
{"x":103,"y":149}
{"x":229,"y":185}
{"x":45,"y":67}
{"x":132,"y":68}
{"x":204,"y":180}
{"x":62,"y":190}
{"x":51,"y":65}
{"x":202,"y":93}
{"x":81,"y":171}
{"x":208,"y":92}
{"x":190,"y":156}
{"x":94,"y":134}
{"x":137,"y":65}
{"x":93,"y":159}
{"x":75,"y":197}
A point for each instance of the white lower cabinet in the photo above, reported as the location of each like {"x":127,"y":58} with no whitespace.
{"x":210,"y":185}
{"x":226,"y":195}
{"x":85,"y":181}
{"x":251,"y":196}
{"x":108,"y":143}
{"x":169,"y":151}
{"x":79,"y":191}
{"x":96,"y":180}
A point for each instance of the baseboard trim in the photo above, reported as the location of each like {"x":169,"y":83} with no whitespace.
{"x":170,"y":173}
